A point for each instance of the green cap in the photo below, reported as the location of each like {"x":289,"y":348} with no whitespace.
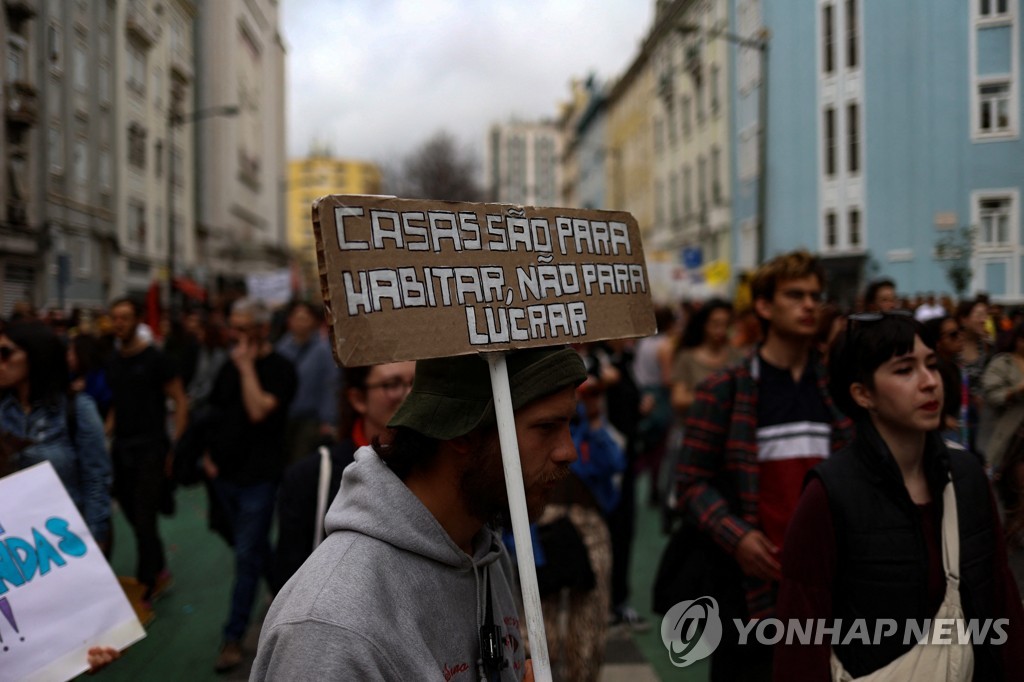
{"x":452,"y":396}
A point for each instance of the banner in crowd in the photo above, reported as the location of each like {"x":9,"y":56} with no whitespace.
{"x":58,"y":595}
{"x":407,"y":279}
{"x":273,"y":288}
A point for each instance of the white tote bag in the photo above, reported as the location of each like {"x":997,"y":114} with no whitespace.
{"x":932,"y":662}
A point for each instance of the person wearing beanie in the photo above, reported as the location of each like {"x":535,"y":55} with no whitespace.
{"x":413,"y":581}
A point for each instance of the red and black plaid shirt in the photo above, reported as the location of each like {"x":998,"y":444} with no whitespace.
{"x":720,"y":443}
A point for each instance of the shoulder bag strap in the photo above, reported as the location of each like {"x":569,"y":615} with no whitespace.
{"x":323,"y":488}
{"x":950,"y":534}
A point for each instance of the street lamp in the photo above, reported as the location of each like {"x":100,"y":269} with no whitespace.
{"x":758,"y":42}
{"x":174,"y":120}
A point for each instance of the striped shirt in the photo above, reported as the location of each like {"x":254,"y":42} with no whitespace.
{"x":719,"y":471}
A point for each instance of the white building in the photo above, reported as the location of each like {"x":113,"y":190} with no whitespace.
{"x":522,"y":163}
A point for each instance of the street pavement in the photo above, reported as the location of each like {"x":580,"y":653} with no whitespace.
{"x":183,"y":640}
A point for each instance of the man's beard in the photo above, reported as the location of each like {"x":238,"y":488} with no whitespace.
{"x":482,"y":486}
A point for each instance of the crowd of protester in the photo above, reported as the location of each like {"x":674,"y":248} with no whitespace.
{"x":252,"y":406}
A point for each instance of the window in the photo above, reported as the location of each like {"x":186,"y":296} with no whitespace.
{"x":158,"y":86}
{"x":830,"y":142}
{"x":670,"y":124}
{"x":137,"y":145}
{"x":993,"y":8}
{"x":53,"y":45}
{"x":659,"y":202}
{"x":686,"y":114}
{"x":82,"y":256}
{"x":673,"y":201}
{"x":55,"y":149}
{"x":698,"y":92}
{"x":659,"y":136}
{"x":104,"y":170}
{"x":716,"y":187}
{"x":994,"y":107}
{"x":103,"y":76}
{"x":853,"y":137}
{"x":79,"y":68}
{"x":687,"y":191}
{"x":136,"y":69}
{"x":80,"y":162}
{"x":702,"y":183}
{"x":994,"y":221}
{"x":136,"y":223}
{"x":854,"y":225}
{"x":831,"y":235}
{"x":713,"y":84}
{"x":851,"y":34}
{"x":15,"y":58}
{"x":158,"y":158}
{"x":158,"y":229}
{"x":828,"y":39}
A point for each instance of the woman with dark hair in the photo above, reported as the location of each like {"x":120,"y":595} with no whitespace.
{"x":703,"y":350}
{"x":895,"y":532}
{"x":35,"y":405}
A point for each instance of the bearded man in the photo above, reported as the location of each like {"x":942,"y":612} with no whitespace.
{"x":413,"y":582}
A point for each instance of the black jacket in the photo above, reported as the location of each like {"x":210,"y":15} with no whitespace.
{"x":296,"y":509}
{"x":882,"y":556}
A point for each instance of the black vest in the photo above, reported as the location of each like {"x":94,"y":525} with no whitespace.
{"x":882,"y":559}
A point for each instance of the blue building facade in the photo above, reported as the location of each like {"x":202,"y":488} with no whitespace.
{"x":891,"y":125}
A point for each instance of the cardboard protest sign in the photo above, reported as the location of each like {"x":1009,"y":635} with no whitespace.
{"x":58,"y":596}
{"x":407,"y":279}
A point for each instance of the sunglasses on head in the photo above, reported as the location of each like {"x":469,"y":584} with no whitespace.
{"x":870,"y":318}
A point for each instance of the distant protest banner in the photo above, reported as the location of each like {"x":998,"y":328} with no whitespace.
{"x":273,"y":288}
{"x":408,"y":279}
{"x":58,"y":596}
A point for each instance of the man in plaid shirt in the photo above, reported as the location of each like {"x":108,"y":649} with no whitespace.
{"x":752,"y":434}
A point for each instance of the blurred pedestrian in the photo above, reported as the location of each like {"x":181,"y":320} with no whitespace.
{"x":57,"y":425}
{"x":972,"y":315}
{"x":1002,"y":385}
{"x":880,"y":296}
{"x":247,"y":456}
{"x":87,"y":365}
{"x":142,"y":380}
{"x":703,"y":350}
{"x":575,"y":619}
{"x":312,"y":417}
{"x":369,"y":398}
{"x":944,"y":335}
{"x":752,"y":433}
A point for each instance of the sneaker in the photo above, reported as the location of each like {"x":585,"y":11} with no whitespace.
{"x":626,"y":617}
{"x":164,"y":582}
{"x":230,"y":657}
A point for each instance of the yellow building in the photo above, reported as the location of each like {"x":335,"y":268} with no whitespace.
{"x":309,"y":179}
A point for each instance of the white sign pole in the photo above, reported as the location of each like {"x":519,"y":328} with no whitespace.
{"x":520,"y":516}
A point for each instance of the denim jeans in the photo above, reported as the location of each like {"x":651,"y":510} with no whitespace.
{"x":250,"y":509}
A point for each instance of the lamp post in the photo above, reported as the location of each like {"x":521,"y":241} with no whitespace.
{"x":174,"y":120}
{"x":758,"y":42}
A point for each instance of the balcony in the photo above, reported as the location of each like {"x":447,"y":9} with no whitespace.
{"x":181,"y":66}
{"x":141,"y":25}
{"x":22,"y":106}
{"x":20,"y":10}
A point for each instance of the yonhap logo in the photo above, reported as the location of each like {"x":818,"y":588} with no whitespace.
{"x":691,"y":631}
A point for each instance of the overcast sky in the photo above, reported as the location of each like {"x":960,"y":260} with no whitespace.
{"x":375,"y":78}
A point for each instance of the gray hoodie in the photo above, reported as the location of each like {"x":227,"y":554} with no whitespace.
{"x":388,"y":595}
